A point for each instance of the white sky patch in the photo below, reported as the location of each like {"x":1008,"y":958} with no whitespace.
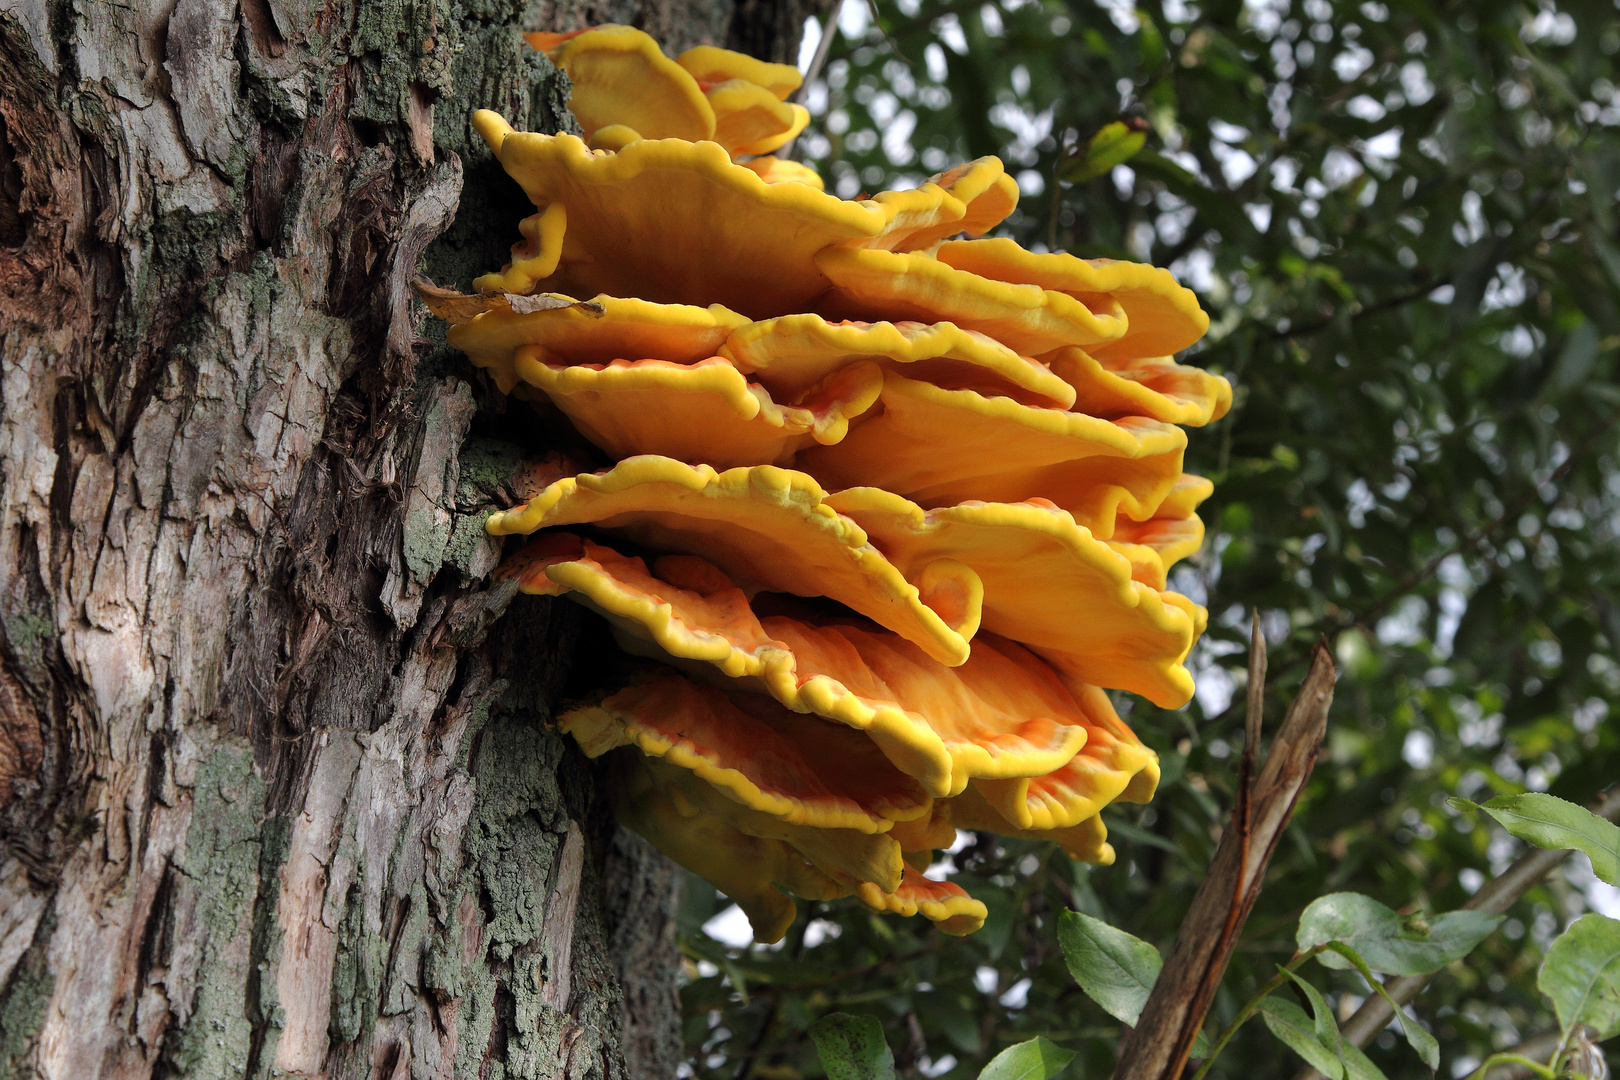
{"x":1265,"y":16}
{"x":1365,"y":108}
{"x":897,"y":138}
{"x":1415,"y":82}
{"x":820,"y":930}
{"x":1418,"y":750}
{"x":1600,"y":897}
{"x":1385,"y":146}
{"x":948,"y":28}
{"x":1123,"y":12}
{"x":1352,"y":62}
{"x":809,"y":43}
{"x":730,"y":927}
{"x":1017,"y":995}
{"x":1237,"y":165}
{"x":1339,"y":168}
{"x":853,"y":19}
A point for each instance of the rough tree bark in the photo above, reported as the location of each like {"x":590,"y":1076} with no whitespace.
{"x":276,"y":791}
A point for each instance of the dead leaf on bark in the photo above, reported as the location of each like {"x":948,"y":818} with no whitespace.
{"x":461,"y":308}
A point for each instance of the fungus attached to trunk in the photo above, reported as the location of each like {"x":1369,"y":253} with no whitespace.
{"x":773,"y":530}
{"x":908,"y":503}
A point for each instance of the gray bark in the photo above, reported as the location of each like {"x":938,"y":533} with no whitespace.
{"x":277,"y":794}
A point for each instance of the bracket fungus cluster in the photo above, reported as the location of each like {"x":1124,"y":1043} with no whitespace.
{"x":965,"y":457}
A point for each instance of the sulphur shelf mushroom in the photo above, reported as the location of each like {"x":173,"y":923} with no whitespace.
{"x":886,"y":509}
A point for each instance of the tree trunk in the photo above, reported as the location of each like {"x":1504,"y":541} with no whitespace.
{"x":277,"y":794}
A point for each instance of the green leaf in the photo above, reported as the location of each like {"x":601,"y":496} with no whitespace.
{"x":1038,"y":1059}
{"x":1327,"y":1028}
{"x":1550,"y":822}
{"x":1289,"y":1023}
{"x":1385,"y":940}
{"x":1116,"y":970}
{"x":1358,"y":1066}
{"x":1417,"y":1036}
{"x":852,"y":1047}
{"x":1114,"y":145}
{"x":1582,"y":975}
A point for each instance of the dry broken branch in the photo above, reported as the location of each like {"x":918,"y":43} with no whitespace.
{"x":1158,"y":1047}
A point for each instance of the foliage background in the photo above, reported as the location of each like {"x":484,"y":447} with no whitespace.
{"x":1401,"y":218}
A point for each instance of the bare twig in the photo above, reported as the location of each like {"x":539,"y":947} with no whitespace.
{"x":1157,"y":1049}
{"x":1495,"y":897}
{"x":818,"y":60}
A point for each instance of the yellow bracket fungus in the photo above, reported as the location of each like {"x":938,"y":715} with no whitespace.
{"x":793,"y":352}
{"x":1174,"y":533}
{"x":752,"y":871}
{"x":706,"y":412}
{"x":1086,"y":841}
{"x":1162,"y":316}
{"x":1047,"y":584}
{"x":710,"y":65}
{"x":944,"y":903}
{"x":800,"y":769}
{"x":872,"y":283}
{"x":991,"y":436}
{"x":534,"y":258}
{"x":940,"y":446}
{"x":758,"y":243}
{"x":1003,"y":714}
{"x":773,"y":530}
{"x":1112,"y":765}
{"x":775,"y":170}
{"x":845,"y":855}
{"x":620,"y":76}
{"x":749,"y":119}
{"x":1155,"y":387}
{"x":598,"y":331}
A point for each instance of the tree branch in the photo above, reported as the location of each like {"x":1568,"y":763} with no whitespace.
{"x":1157,"y":1049}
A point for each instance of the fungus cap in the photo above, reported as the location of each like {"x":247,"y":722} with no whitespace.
{"x":1163,"y":316}
{"x":706,"y":412}
{"x":793,"y":352}
{"x":915,"y":285}
{"x":943,"y":903}
{"x":709,"y":64}
{"x":1086,"y":841}
{"x":619,"y":75}
{"x":845,"y":855}
{"x":771,"y":529}
{"x":534,"y":258}
{"x":747,"y":869}
{"x":753,"y":241}
{"x":749,"y":119}
{"x":774,"y":170}
{"x":998,"y":449}
{"x":1003,"y":714}
{"x":1172,"y":534}
{"x":798,"y":120}
{"x":1155,"y":387}
{"x":802,"y":770}
{"x":590,"y":332}
{"x":1049,"y":584}
{"x":1112,"y":765}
